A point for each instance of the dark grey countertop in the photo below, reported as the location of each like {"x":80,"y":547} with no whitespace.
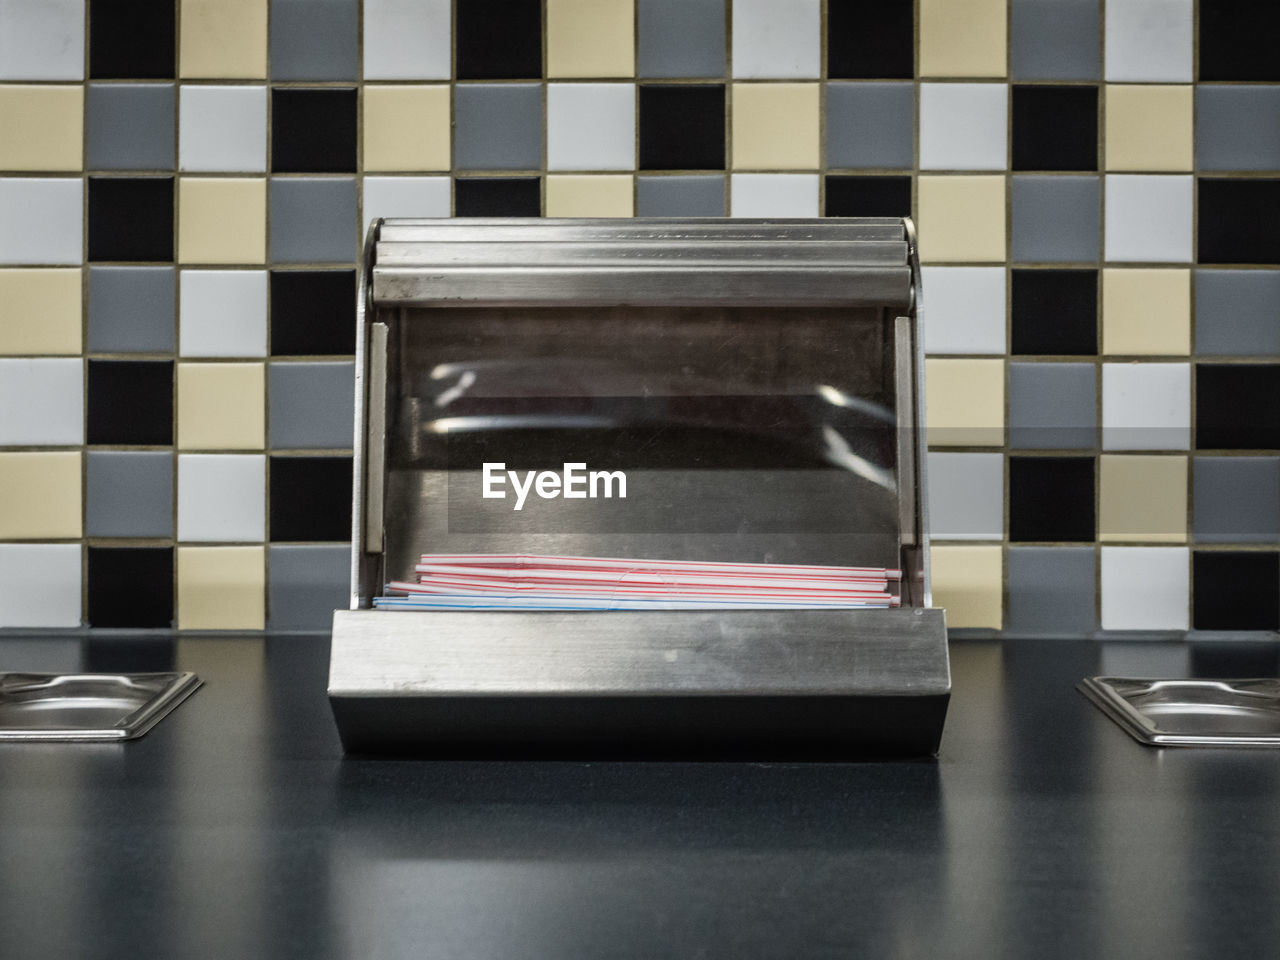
{"x":237,"y":829}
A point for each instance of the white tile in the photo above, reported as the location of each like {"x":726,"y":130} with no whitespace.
{"x":41,"y":39}
{"x":591,"y":126}
{"x":964,"y":309}
{"x":1148,"y":218}
{"x":964,"y":126}
{"x":405,"y":197}
{"x":1146,"y":406}
{"x":1149,"y":41}
{"x":223,"y":313}
{"x":774,"y":195}
{"x":41,"y":402}
{"x":407,"y":39}
{"x":221,"y":497}
{"x":1144,"y":588}
{"x":39,"y":585}
{"x":222,"y":128}
{"x":40,"y":220}
{"x":777,"y":38}
{"x":966,"y":496}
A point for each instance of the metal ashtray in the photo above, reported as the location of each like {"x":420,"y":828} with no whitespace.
{"x":1191,"y":713}
{"x":88,"y":706}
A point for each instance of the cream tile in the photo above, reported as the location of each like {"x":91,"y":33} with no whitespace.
{"x":1143,"y":498}
{"x":775,"y":126}
{"x":406,"y":128}
{"x":223,"y":39}
{"x":40,"y":312}
{"x":963,"y":38}
{"x":221,"y":406}
{"x":968,"y":582}
{"x":964,"y":402}
{"x":590,"y":196}
{"x":1149,"y":127}
{"x":962,"y":219}
{"x":222,"y":220}
{"x":591,"y":38}
{"x":221,"y":588}
{"x":1146,"y":312}
{"x":41,"y":498}
{"x":43,"y":127}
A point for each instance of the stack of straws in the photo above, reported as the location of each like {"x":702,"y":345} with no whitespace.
{"x":521,"y":582}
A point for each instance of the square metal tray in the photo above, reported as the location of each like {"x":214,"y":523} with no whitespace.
{"x":88,"y":706}
{"x":1191,"y":713}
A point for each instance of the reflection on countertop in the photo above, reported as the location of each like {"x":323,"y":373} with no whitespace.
{"x":237,"y":828}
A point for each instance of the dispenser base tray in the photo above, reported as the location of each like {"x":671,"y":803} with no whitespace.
{"x":777,"y":685}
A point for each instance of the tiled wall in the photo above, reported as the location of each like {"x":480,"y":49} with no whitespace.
{"x":1097,"y":187}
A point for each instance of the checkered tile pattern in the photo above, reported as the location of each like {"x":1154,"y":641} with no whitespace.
{"x":183,"y":188}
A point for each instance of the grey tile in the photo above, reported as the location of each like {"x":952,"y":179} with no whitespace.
{"x":1054,"y":40}
{"x":131,"y":309}
{"x":307,"y":583}
{"x":680,"y":197}
{"x":315,"y":39}
{"x":680,"y":38}
{"x":1238,"y":312}
{"x":1051,"y":591}
{"x":1238,"y":128}
{"x":311,"y":405}
{"x":1236,"y":499}
{"x":497,"y":126}
{"x":1055,"y":219}
{"x":870,"y":125}
{"x":129,"y":126}
{"x":1053,"y":406}
{"x":129,"y":494}
{"x":966,"y":496}
{"x":314,"y":220}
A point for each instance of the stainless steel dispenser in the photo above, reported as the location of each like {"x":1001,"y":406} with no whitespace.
{"x":759,"y":382}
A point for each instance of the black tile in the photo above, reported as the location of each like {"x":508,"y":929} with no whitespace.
{"x":1236,"y":591}
{"x":1051,"y":499}
{"x":130,"y":401}
{"x":870,"y":40}
{"x":1055,"y":128}
{"x":498,"y":39}
{"x":1238,"y":40}
{"x":313,"y":130}
{"x":868,"y":196}
{"x":310,"y":498}
{"x":1055,"y":312}
{"x":131,"y":39}
{"x":130,"y":586}
{"x":131,"y":218}
{"x":1238,"y":406}
{"x":1239,"y":221}
{"x":682,"y":126}
{"x":313,"y":312}
{"x":497,"y":197}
